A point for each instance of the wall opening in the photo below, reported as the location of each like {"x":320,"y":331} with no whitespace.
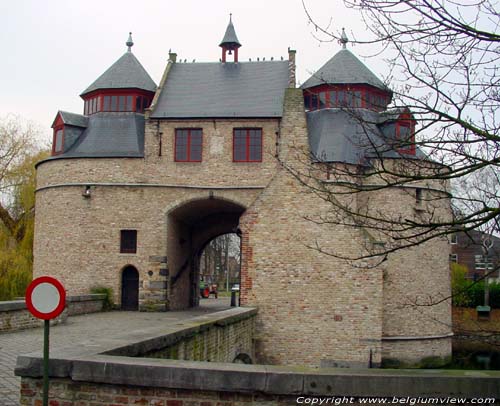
{"x":220,"y":265}
{"x":190,"y":228}
{"x":130,"y":288}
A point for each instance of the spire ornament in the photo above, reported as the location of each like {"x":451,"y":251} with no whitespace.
{"x":129,"y":42}
{"x":343,"y":39}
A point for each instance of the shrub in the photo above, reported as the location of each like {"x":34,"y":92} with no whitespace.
{"x":467,"y":293}
{"x":108,"y":300}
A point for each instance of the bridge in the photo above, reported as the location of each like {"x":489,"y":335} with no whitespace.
{"x":193,"y":357}
{"x":85,"y":331}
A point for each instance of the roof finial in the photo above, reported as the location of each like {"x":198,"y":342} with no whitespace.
{"x":230,"y":17}
{"x":129,"y":42}
{"x":343,"y":39}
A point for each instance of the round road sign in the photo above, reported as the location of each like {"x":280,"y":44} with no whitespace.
{"x":45,"y":298}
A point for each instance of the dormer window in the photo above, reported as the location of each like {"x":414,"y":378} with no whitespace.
{"x":405,"y":136}
{"x":58,"y":141}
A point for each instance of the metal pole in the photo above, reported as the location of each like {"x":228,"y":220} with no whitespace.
{"x":46,"y":332}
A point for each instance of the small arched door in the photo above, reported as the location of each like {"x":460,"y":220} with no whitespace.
{"x":130,"y":289}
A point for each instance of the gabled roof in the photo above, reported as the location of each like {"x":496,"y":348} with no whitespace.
{"x":230,"y":37}
{"x":344,"y":68}
{"x":217,"y":90}
{"x":393,"y":114}
{"x":76,"y":120}
{"x":126,"y":72}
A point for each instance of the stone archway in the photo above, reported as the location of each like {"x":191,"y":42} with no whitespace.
{"x":130,"y":288}
{"x":190,"y":227}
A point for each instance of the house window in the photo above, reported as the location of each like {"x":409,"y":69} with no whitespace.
{"x":453,"y":257}
{"x":128,"y":241}
{"x":482,"y":262}
{"x":453,"y":238}
{"x":58,"y":142}
{"x":247,"y":145}
{"x":188,"y":144}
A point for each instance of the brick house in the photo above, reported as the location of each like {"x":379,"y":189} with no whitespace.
{"x":467,"y":249}
{"x":140,"y":182}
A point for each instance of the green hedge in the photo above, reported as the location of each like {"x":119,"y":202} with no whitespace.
{"x":467,"y":293}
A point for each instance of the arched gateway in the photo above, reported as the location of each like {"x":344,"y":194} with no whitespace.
{"x":190,"y":227}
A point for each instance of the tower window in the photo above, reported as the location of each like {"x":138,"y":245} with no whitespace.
{"x":128,"y":241}
{"x":188,"y":144}
{"x":418,"y":195}
{"x":247,"y":145}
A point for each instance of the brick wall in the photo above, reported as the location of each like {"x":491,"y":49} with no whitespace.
{"x":217,"y":343}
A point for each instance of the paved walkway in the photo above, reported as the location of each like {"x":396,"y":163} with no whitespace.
{"x":82,"y":329}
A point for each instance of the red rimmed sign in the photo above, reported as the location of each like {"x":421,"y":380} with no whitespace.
{"x":45,"y":298}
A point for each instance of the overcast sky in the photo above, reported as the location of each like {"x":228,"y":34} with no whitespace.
{"x":53,"y":49}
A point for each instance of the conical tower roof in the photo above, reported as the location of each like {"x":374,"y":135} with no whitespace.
{"x":344,"y":68}
{"x":230,"y":37}
{"x":126,"y":72}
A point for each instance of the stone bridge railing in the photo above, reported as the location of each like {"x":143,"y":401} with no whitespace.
{"x":15,"y":316}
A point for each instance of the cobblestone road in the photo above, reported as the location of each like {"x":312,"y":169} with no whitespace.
{"x":82,"y":329}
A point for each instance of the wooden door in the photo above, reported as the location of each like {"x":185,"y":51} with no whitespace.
{"x":130,"y":289}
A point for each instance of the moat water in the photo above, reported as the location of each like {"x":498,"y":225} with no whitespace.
{"x":475,"y":354}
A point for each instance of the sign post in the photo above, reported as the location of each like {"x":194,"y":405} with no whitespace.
{"x":45,"y":299}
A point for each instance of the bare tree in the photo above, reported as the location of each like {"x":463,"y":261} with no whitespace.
{"x":443,"y":59}
{"x":18,"y":146}
{"x":217,"y":256}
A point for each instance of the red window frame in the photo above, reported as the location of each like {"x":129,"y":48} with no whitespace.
{"x":61,"y":150}
{"x":139,"y":101}
{"x":189,"y":145}
{"x":247,"y":145}
{"x":410,"y":148}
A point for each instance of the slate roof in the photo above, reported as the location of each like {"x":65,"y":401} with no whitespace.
{"x":344,"y":68}
{"x":337,"y":135}
{"x":109,"y":135}
{"x":217,"y":90}
{"x":76,"y":120}
{"x":126,"y":72}
{"x":230,"y":36}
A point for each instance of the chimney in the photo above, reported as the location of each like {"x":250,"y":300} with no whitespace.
{"x":172,"y":57}
{"x":291,"y":68}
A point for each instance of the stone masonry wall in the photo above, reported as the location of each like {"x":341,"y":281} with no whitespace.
{"x":80,"y":245}
{"x":314,"y":309}
{"x":77,"y":238}
{"x":417,"y":289}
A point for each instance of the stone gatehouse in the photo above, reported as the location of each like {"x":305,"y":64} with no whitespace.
{"x":149,"y":174}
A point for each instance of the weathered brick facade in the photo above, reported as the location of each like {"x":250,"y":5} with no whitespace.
{"x":314,"y":309}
